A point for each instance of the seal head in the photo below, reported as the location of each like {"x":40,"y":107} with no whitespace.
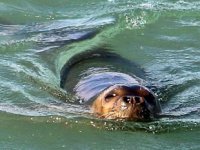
{"x":132,"y":102}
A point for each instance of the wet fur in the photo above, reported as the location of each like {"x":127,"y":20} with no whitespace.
{"x":76,"y":79}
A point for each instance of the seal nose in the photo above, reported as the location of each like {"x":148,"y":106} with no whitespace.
{"x":133,"y":99}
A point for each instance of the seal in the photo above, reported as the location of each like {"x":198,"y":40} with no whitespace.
{"x":110,"y":86}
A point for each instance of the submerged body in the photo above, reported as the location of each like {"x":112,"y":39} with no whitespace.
{"x":110,"y":85}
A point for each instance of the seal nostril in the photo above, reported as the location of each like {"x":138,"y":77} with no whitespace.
{"x":126,"y":99}
{"x":137,"y":99}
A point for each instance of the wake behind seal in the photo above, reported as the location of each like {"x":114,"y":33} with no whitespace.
{"x":111,"y":86}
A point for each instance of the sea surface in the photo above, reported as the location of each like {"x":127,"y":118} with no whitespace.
{"x":37,"y":38}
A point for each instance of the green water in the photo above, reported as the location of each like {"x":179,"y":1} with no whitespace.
{"x":38,"y":37}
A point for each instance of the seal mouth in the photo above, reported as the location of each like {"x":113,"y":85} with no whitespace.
{"x":143,"y":109}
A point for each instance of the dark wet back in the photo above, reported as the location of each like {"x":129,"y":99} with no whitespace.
{"x":92,"y":85}
{"x":88,"y":74}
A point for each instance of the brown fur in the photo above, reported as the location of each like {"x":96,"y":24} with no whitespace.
{"x":110,"y":104}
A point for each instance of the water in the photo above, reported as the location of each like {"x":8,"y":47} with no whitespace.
{"x":38,"y":37}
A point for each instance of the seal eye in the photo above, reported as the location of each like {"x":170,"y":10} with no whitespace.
{"x":110,"y":96}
